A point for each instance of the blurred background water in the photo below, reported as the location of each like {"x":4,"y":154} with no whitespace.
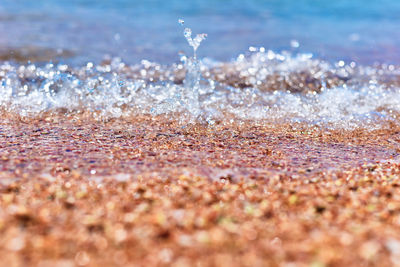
{"x":365,"y":31}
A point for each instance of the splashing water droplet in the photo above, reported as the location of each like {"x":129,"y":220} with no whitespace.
{"x":193,"y":42}
{"x":294,"y":44}
{"x":188,"y":34}
{"x":198,"y":39}
{"x":181,"y":21}
{"x":190,"y":92}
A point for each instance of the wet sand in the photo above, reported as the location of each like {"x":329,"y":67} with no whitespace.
{"x":149,"y":192}
{"x":31,"y":54}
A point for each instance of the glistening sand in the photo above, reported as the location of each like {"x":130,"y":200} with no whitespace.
{"x":147,"y":192}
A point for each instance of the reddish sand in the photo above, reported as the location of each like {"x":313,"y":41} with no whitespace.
{"x":147,"y":192}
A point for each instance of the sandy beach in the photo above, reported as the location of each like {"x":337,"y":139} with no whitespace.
{"x":149,"y":192}
{"x":199,"y":133}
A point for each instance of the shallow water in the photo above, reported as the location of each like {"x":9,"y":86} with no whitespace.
{"x":121,"y":59}
{"x":136,"y":30}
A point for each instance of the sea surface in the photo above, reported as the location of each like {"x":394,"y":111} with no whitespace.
{"x":331,"y":63}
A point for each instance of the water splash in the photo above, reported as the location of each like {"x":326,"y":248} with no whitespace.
{"x":190,"y":92}
{"x":261,"y":86}
{"x":193,"y":42}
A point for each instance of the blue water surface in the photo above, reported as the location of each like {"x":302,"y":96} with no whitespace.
{"x":364,"y":31}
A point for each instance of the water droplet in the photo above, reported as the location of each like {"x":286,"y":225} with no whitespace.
{"x":252,"y":49}
{"x":187,"y":33}
{"x":294,"y":43}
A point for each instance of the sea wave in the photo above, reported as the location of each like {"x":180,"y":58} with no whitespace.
{"x":259,"y":85}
